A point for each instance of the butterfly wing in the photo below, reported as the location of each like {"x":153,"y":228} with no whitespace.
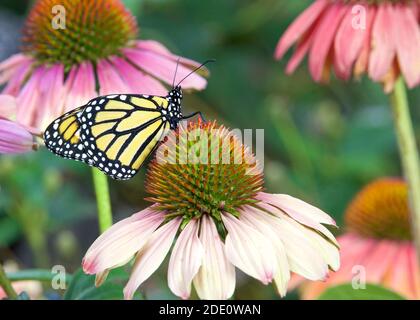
{"x":62,"y":137}
{"x":119,"y":132}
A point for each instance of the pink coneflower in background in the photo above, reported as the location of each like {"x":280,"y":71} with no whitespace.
{"x":215,"y":213}
{"x":379,"y":240}
{"x":95,"y":53}
{"x":14,"y":137}
{"x":380,"y":38}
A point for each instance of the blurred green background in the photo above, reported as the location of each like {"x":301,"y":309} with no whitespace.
{"x":322,"y":143}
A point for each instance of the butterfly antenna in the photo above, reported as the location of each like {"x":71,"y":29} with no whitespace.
{"x":176,"y":70}
{"x":195,"y":70}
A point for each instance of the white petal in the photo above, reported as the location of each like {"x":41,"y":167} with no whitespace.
{"x":118,"y":244}
{"x":186,"y":259}
{"x":151,"y":256}
{"x":282,"y":274}
{"x":302,"y":212}
{"x":249,"y":250}
{"x":216,"y":278}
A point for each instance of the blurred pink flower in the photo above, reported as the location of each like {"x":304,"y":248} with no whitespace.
{"x":61,"y":69}
{"x":379,"y":38}
{"x":14,"y":137}
{"x":265,"y":235}
{"x":378,"y":243}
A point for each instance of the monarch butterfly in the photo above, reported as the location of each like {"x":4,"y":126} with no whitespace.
{"x":116,"y":133}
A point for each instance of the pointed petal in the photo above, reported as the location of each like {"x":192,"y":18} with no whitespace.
{"x":323,"y":40}
{"x":382,"y":45}
{"x":14,"y":138}
{"x":407,"y":42}
{"x":7,"y":107}
{"x":119,"y":243}
{"x":110,"y":81}
{"x":216,"y":278}
{"x":151,"y":256}
{"x":163,"y":68}
{"x":300,"y":26}
{"x":80,"y":86}
{"x":185,"y":261}
{"x":249,"y":250}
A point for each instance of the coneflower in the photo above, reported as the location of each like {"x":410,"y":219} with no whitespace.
{"x":208,"y":202}
{"x":91,"y":51}
{"x":379,"y":239}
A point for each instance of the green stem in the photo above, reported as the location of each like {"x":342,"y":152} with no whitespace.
{"x":35,"y":274}
{"x":6,"y":284}
{"x":103,"y":199}
{"x":409,"y":155}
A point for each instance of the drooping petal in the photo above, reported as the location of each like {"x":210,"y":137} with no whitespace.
{"x":120,"y":242}
{"x":216,"y":278}
{"x":301,"y":49}
{"x":160,"y":49}
{"x":303,"y":255}
{"x":185,"y":261}
{"x":7,"y":107}
{"x":348,"y":43}
{"x":14,"y":138}
{"x":163,"y":68}
{"x":323,"y":40}
{"x":252,"y":217}
{"x":407,"y":42}
{"x":382,"y":43}
{"x":249,"y":250}
{"x":80,"y":86}
{"x":28,"y":100}
{"x":17,"y":79}
{"x":151,"y":256}
{"x":10,"y":66}
{"x":300,"y":26}
{"x":110,"y":81}
{"x":137,"y":81}
{"x":299,"y":210}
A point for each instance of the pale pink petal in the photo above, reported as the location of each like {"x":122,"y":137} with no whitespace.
{"x":300,"y":52}
{"x":381,"y":257}
{"x":80,"y":86}
{"x":216,"y":278}
{"x":407,"y":42}
{"x":110,"y":81}
{"x":362,"y":61}
{"x":52,"y":92}
{"x":7,"y":107}
{"x":14,"y":138}
{"x":159,"y":48}
{"x":300,"y":26}
{"x":17,"y":79}
{"x":323,"y":40}
{"x":249,"y":250}
{"x":303,"y":255}
{"x":137,"y":81}
{"x":252,"y":217}
{"x":119,"y":243}
{"x":349,"y":42}
{"x":299,"y":210}
{"x":164,"y":69}
{"x":185,"y":261}
{"x":11,"y":65}
{"x":402,"y":276}
{"x":151,"y":256}
{"x":382,"y":45}
{"x":28,"y":100}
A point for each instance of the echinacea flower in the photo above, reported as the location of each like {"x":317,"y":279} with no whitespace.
{"x":14,"y":137}
{"x":206,"y":187}
{"x":378,"y":241}
{"x":76,"y":50}
{"x":380,"y":38}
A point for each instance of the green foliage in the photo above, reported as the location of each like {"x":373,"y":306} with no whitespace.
{"x":82,"y":286}
{"x":371,"y":292}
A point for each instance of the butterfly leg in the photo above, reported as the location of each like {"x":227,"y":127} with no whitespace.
{"x":194,"y":114}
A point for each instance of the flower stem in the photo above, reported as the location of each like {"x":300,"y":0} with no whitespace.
{"x":409,"y":155}
{"x":103,"y":199}
{"x":7,"y":285}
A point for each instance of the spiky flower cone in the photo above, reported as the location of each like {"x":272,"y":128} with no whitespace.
{"x":206,"y":187}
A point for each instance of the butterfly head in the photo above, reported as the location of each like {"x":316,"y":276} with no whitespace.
{"x":174,"y":107}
